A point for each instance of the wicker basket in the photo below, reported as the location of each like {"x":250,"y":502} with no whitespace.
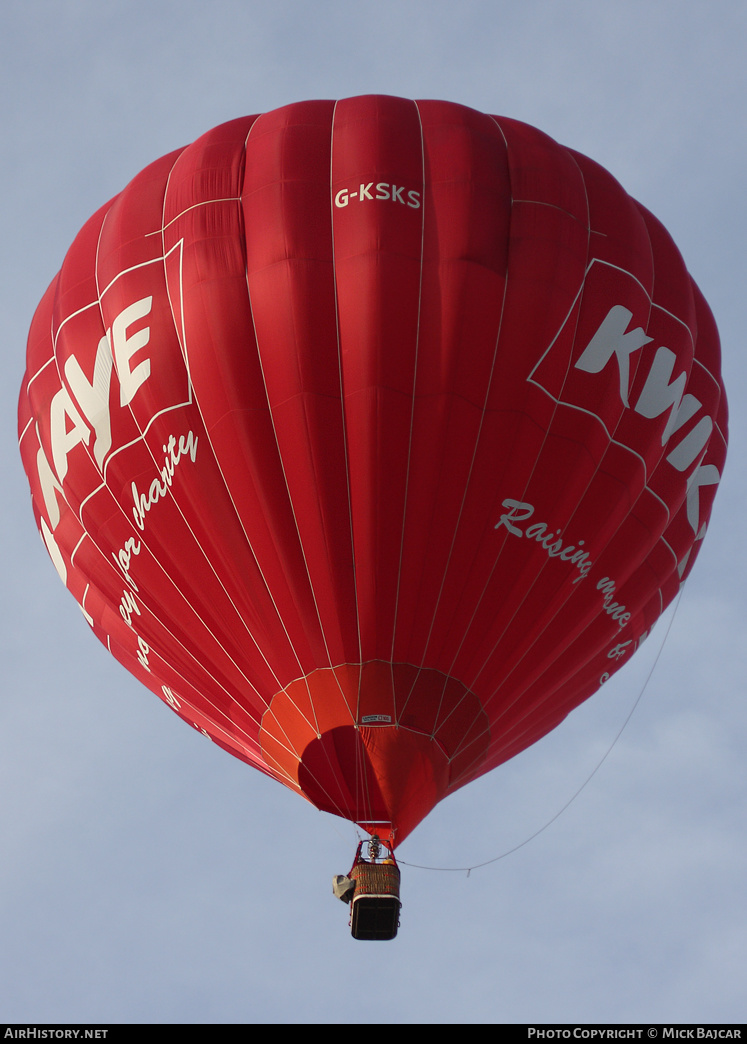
{"x":376,"y":879}
{"x":375,"y":906}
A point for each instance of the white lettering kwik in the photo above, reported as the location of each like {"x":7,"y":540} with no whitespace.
{"x":613,"y":338}
{"x":660,"y":393}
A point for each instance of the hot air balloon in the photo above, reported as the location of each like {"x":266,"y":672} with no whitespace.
{"x":373,"y":436}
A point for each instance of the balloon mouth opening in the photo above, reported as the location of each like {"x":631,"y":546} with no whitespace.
{"x":377,"y":743}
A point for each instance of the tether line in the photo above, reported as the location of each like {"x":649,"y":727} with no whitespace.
{"x":510,"y":851}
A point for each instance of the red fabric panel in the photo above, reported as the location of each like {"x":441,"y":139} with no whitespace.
{"x":373,"y":436}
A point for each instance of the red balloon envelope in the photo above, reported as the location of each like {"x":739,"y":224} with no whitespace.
{"x":373,"y":437}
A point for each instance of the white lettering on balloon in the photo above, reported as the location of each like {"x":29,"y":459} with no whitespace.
{"x":123,"y":557}
{"x":550,"y":540}
{"x":70,"y":426}
{"x":142,"y":652}
{"x":518,"y":512}
{"x":170,"y":698}
{"x":159,"y":487}
{"x":647,"y":358}
{"x":616,"y":339}
{"x":128,"y":606}
{"x":186,"y":446}
{"x":382,"y":190}
{"x":619,"y":650}
{"x":614,"y":609}
{"x":622,"y":649}
{"x":79,"y":418}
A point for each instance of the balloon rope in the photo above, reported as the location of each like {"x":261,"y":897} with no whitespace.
{"x":510,"y":851}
